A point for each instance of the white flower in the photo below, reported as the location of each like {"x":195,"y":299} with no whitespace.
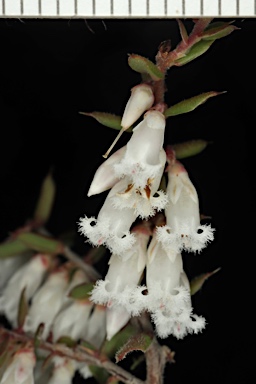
{"x":20,"y":370}
{"x":47,"y":302}
{"x":111,"y":228}
{"x":146,"y":200}
{"x":117,"y":318}
{"x":10,"y":265}
{"x":141,"y":161}
{"x":63,"y":371}
{"x":72,"y":321}
{"x":168,"y":299}
{"x":96,"y":329}
{"x":29,"y":276}
{"x":141,"y":100}
{"x":104,"y":177}
{"x":183,"y":229}
{"x":120,"y":286}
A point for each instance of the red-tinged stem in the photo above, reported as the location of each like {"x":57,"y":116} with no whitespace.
{"x":164,"y":62}
{"x":79,"y":353}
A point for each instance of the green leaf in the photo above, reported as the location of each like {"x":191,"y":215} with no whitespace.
{"x":12,"y":248}
{"x":66,"y":340}
{"x":145,"y":66}
{"x":46,"y":200}
{"x":189,"y":148}
{"x":22,"y":309}
{"x":138,"y":342}
{"x":218,"y":30}
{"x":110,"y":347}
{"x":37,"y":338}
{"x":81,"y":291}
{"x":40,"y":243}
{"x":188,"y":105}
{"x":197,"y":282}
{"x":196,"y":50}
{"x":100,"y":374}
{"x":110,"y":120}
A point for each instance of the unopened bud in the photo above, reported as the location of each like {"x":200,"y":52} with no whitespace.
{"x":141,"y":100}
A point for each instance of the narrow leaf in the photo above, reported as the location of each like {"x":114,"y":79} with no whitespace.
{"x":22,"y":309}
{"x":189,"y":148}
{"x":46,"y":200}
{"x":108,"y":119}
{"x":183,"y":31}
{"x":81,"y":291}
{"x":110,"y":347}
{"x":100,"y":374}
{"x":196,"y":50}
{"x":40,"y":243}
{"x":218,"y":30}
{"x":138,"y":342}
{"x":142,"y":65}
{"x":188,"y":105}
{"x":37,"y":338}
{"x":70,"y":343}
{"x":12,"y":248}
{"x":197,"y":282}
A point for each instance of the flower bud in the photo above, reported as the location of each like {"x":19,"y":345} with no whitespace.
{"x":29,"y":276}
{"x":20,"y":370}
{"x":141,"y":100}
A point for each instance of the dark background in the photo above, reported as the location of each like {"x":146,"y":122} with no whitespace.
{"x":52,"y":69}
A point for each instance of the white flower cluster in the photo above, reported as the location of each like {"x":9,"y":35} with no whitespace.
{"x":133,"y":175}
{"x":46,"y":285}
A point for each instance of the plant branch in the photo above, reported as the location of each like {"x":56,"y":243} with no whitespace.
{"x":79,"y":353}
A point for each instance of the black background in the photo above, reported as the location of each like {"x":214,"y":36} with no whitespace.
{"x":52,"y":69}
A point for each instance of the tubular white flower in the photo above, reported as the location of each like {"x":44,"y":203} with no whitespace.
{"x":63,"y":371}
{"x":168,"y":298}
{"x":141,"y":100}
{"x":117,"y":318}
{"x":111,"y":228}
{"x":120,"y":284}
{"x":141,"y":160}
{"x":96,"y":329}
{"x":29,"y":276}
{"x":183,"y":229}
{"x":104,"y":177}
{"x":20,"y":370}
{"x":143,"y":200}
{"x":47,"y":302}
{"x":9,"y":266}
{"x":72,"y":320}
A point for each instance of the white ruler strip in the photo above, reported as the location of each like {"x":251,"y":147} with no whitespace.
{"x":127,"y":8}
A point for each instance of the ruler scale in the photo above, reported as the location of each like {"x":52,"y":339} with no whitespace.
{"x":126,"y":8}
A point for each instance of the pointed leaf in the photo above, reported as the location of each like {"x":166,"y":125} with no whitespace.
{"x":45,"y":201}
{"x":88,"y":346}
{"x":110,"y":120}
{"x":81,"y":291}
{"x":142,"y":65}
{"x":100,"y":374}
{"x":197,"y":282}
{"x":70,"y":343}
{"x":138,"y":342}
{"x":197,"y":50}
{"x":111,"y":346}
{"x":40,"y":243}
{"x":183,"y":31}
{"x":218,"y":30}
{"x":37,"y":338}
{"x":12,"y":248}
{"x":190,"y":104}
{"x":189,"y":148}
{"x":22,"y":309}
